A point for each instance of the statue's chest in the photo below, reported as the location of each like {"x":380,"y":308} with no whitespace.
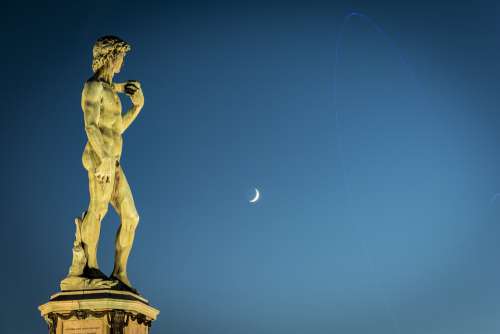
{"x":111,"y":108}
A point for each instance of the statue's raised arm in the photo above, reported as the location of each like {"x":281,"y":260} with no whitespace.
{"x":133,"y":89}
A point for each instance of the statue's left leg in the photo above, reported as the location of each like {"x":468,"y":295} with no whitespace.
{"x":123,"y":203}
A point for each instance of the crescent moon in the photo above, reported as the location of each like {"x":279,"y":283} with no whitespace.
{"x":257,"y":195}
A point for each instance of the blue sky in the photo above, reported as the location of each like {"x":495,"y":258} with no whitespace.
{"x":375,"y":211}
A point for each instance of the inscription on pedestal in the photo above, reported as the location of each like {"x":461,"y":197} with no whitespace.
{"x":88,"y":326}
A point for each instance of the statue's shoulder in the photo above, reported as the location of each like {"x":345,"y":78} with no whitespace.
{"x":92,"y":88}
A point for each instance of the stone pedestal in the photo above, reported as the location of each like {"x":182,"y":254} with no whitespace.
{"x":98,"y":312}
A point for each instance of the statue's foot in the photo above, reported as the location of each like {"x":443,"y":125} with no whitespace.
{"x":82,"y":283}
{"x":124,"y":283}
{"x":94,"y":273}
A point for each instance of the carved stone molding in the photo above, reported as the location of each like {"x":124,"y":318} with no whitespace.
{"x":51,"y":320}
{"x":117,"y":319}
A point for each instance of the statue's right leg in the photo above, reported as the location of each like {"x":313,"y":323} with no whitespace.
{"x":100,"y":195}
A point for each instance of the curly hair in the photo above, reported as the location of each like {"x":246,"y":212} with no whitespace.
{"x":106,"y":49}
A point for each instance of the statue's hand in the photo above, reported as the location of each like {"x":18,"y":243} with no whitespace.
{"x":134,"y":91}
{"x":104,"y":171}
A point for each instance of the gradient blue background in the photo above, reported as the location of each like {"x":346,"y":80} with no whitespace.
{"x":375,"y":221}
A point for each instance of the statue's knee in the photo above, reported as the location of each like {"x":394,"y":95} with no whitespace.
{"x":93,"y":217}
{"x":130,"y":220}
{"x":99,"y":211}
{"x":127,"y":229}
{"x":130,"y":217}
{"x":134,"y":220}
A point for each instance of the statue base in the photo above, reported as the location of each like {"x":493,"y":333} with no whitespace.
{"x":102,"y":311}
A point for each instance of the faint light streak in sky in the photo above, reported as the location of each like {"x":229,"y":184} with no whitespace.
{"x":494,"y":198}
{"x":347,"y":18}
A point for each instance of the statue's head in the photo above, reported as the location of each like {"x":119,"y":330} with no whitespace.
{"x":109,"y":51}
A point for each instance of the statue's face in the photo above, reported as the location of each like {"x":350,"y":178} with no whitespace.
{"x":118,"y":63}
